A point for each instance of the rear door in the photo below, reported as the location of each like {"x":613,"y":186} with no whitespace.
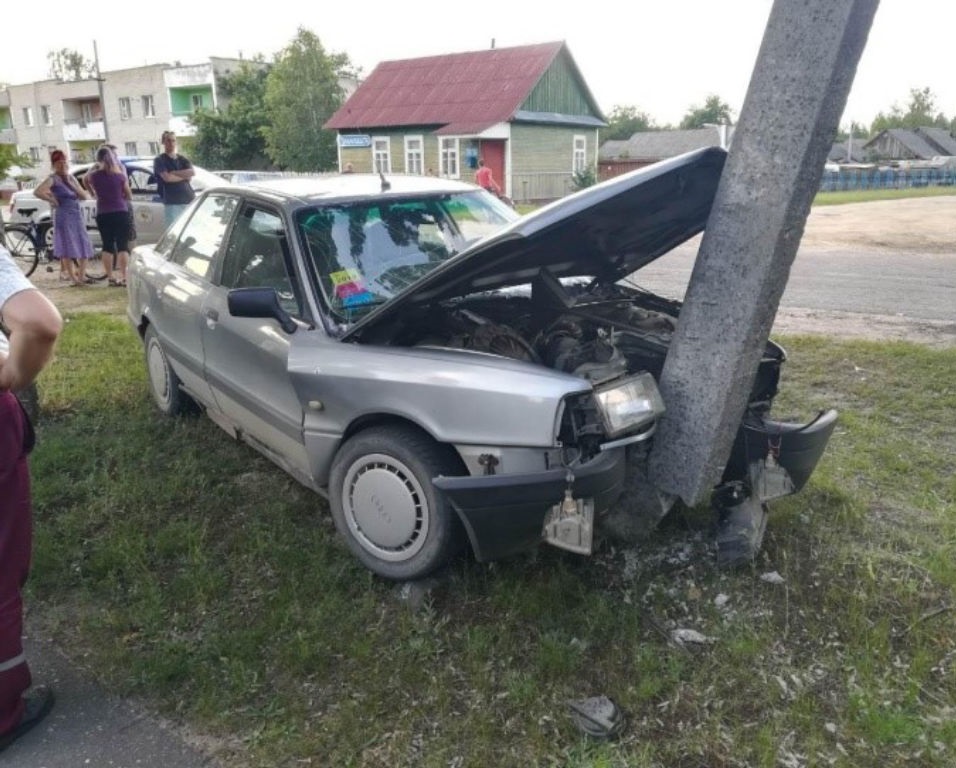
{"x":148,"y":213}
{"x":247,"y":359}
{"x":181,"y":282}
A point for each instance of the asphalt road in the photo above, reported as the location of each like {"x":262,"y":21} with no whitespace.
{"x":920,"y":286}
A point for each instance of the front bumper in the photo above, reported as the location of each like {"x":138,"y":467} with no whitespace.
{"x":504,"y":514}
{"x":795,"y":447}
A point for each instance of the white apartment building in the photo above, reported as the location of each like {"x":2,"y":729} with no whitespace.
{"x":129,"y":108}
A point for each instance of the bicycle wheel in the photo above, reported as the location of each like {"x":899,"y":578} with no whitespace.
{"x":23,"y":248}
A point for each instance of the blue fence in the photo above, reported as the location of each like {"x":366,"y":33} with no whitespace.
{"x":886,"y":178}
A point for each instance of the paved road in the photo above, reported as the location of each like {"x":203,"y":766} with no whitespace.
{"x":90,"y":727}
{"x":920,"y":286}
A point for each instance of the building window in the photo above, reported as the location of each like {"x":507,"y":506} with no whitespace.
{"x":414,"y":162}
{"x":381,"y":156}
{"x":126,"y":111}
{"x":86,"y":110}
{"x":131,"y":148}
{"x":196,"y":101}
{"x":46,"y":114}
{"x":154,"y":147}
{"x":580,"y":160}
{"x":35,"y":154}
{"x":149,"y":109}
{"x":28,"y":116}
{"x":449,"y":158}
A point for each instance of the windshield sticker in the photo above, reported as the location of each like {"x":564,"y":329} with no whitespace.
{"x":349,"y":289}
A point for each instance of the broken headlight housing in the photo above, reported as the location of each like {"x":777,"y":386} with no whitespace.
{"x":629,"y":404}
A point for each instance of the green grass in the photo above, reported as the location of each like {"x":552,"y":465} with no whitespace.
{"x":869,"y":195}
{"x":196,"y":575}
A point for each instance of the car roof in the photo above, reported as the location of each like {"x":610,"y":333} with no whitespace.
{"x":317,"y":189}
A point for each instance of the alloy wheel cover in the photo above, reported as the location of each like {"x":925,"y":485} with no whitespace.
{"x":385,"y":507}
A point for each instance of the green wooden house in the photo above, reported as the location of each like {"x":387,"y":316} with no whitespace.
{"x":525,"y":111}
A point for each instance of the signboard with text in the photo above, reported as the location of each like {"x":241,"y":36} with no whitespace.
{"x":355,"y":140}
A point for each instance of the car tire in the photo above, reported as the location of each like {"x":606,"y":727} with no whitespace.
{"x":163,"y":381}
{"x":385,"y":506}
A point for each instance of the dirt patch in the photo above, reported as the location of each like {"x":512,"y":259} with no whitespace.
{"x":924,"y":225}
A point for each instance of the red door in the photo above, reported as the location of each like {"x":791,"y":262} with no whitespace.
{"x":493,"y":153}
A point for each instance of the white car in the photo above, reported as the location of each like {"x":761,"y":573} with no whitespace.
{"x":147,"y":208}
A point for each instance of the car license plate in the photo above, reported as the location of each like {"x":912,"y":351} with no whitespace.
{"x":570,"y":525}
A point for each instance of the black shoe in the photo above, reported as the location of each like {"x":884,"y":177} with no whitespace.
{"x":37,"y":704}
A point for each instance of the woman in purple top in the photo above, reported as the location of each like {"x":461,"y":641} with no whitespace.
{"x":110,"y":186}
{"x":70,"y":240}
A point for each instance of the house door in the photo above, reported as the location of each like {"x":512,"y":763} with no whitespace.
{"x":493,"y":153}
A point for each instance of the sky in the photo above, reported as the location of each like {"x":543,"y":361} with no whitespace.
{"x":661,"y":56}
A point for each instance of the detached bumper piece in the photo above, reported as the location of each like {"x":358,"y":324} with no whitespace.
{"x":770,"y":459}
{"x":505,"y":514}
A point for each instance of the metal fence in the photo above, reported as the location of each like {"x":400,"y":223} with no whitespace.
{"x":886,"y":178}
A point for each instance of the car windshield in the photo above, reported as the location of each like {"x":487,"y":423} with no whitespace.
{"x":365,"y":252}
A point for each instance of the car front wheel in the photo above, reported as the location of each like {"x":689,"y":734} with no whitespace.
{"x":385,"y":505}
{"x":163,"y":381}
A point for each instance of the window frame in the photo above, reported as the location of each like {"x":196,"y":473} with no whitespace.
{"x":148,"y":104}
{"x":125,"y":108}
{"x":413,"y":156}
{"x":28,"y":117}
{"x":378,"y":154}
{"x":176,"y":233}
{"x":579,"y":153}
{"x":449,"y":152}
{"x":46,"y":114}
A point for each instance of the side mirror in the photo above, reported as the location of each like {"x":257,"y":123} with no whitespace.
{"x":260,"y":302}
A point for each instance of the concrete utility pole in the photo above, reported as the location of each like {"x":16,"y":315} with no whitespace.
{"x":99,"y":87}
{"x":797,"y":93}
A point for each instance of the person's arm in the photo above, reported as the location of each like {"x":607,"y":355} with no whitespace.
{"x":43,"y":191}
{"x":34,"y":325}
{"x":81,"y":193}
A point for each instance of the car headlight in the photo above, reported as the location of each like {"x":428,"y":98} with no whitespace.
{"x":630,"y":404}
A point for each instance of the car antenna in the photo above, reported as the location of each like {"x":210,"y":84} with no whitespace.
{"x":386,"y":184}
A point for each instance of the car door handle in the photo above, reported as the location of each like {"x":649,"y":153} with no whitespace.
{"x":212,"y":315}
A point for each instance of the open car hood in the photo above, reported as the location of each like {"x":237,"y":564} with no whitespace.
{"x":606,"y":231}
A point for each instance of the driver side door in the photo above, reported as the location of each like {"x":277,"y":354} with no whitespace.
{"x":246,"y":359}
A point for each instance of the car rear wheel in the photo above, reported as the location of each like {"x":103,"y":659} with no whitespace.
{"x":385,"y":505}
{"x":163,"y":381}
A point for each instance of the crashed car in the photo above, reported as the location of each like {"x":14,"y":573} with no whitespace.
{"x":444,"y":372}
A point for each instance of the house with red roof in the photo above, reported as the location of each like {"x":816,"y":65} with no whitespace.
{"x":525,"y":111}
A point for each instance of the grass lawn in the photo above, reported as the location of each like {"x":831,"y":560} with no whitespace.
{"x":194,"y":574}
{"x":868,"y":195}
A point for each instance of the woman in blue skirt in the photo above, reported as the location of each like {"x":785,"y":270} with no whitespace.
{"x":63,"y":193}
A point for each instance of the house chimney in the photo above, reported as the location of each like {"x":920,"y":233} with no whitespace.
{"x":492,"y":43}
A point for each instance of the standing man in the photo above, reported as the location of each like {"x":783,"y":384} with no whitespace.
{"x":173,"y":172}
{"x":33,"y":324}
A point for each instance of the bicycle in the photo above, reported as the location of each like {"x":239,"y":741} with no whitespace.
{"x":27,"y":243}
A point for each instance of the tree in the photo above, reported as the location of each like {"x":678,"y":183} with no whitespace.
{"x":921,"y":111}
{"x":67,"y":64}
{"x":714,"y":111}
{"x":10,"y":159}
{"x":234,"y":137}
{"x":624,"y":121}
{"x":302,"y":93}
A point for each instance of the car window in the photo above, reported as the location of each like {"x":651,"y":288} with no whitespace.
{"x":142,"y":183}
{"x":258,"y":257}
{"x":203,"y":234}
